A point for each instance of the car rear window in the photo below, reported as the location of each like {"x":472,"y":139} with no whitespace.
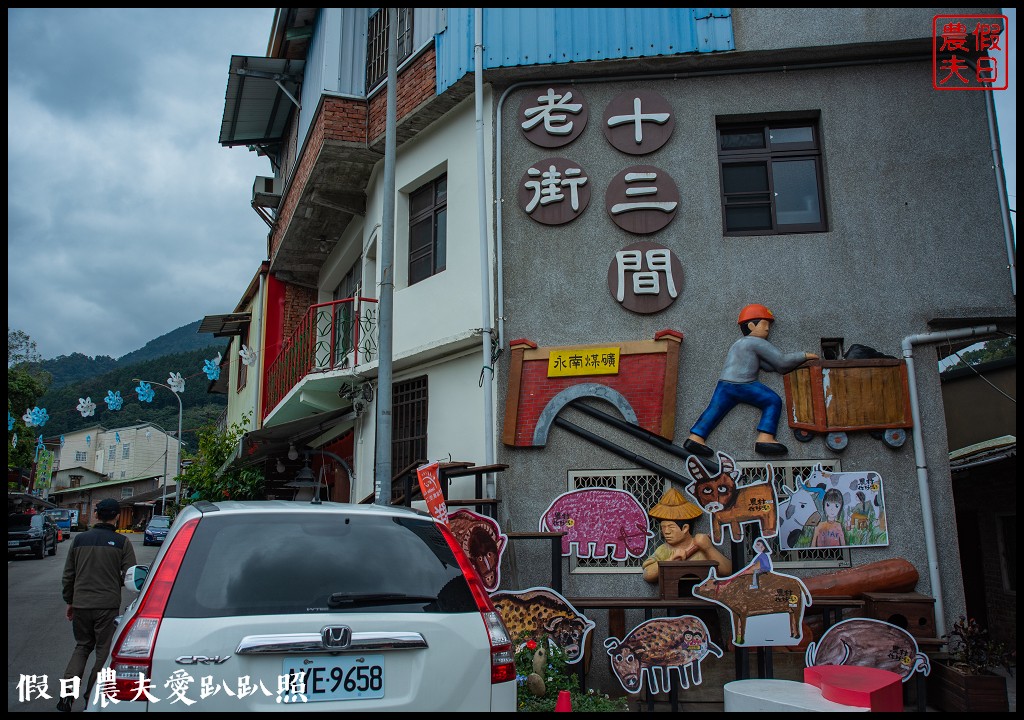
{"x":24,"y":522}
{"x":298,"y":563}
{"x":160,"y":522}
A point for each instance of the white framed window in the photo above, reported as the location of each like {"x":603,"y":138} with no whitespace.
{"x":127,"y":492}
{"x":80,"y":456}
{"x":647,"y":487}
{"x":126,"y":451}
{"x":787,"y":472}
{"x":112,"y":453}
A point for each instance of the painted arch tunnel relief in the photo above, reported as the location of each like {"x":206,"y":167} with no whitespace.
{"x":638,"y":378}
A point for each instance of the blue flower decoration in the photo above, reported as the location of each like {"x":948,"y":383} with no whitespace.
{"x":212,"y":368}
{"x":88,"y":439}
{"x":10,"y":421}
{"x":145,"y":392}
{"x":39,"y":416}
{"x":114,"y":400}
{"x":62,"y":441}
{"x":27,"y":417}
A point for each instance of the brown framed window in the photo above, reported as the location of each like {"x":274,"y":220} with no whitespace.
{"x":377,"y":44}
{"x":771,"y":176}
{"x":409,"y":422}
{"x":428,"y":229}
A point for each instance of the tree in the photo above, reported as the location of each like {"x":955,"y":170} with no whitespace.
{"x":215,"y":447}
{"x":26,"y":383}
{"x":988,"y":351}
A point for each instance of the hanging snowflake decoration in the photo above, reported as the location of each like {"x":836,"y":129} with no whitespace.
{"x":176,"y":383}
{"x":27,"y":417}
{"x":114,"y":400}
{"x":39,"y":446}
{"x":14,"y":440}
{"x":117,"y":438}
{"x":88,"y":439}
{"x":248,"y":356}
{"x":212,"y":368}
{"x":149,"y":434}
{"x":10,"y":421}
{"x":39,"y":416}
{"x":86,"y":406}
{"x":62,"y":441}
{"x":145,"y":391}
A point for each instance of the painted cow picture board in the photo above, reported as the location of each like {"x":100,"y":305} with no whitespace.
{"x":536,"y":612}
{"x":834,"y":509}
{"x":869,"y":643}
{"x":483,"y":542}
{"x":653,"y":649}
{"x":598,"y":523}
{"x":731,"y":503}
{"x":766,"y":607}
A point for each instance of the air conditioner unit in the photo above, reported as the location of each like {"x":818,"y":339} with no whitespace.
{"x":266,"y":192}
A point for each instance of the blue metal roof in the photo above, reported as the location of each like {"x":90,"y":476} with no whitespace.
{"x":515,"y":37}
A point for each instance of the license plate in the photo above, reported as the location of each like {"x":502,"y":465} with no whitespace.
{"x":352,"y":677}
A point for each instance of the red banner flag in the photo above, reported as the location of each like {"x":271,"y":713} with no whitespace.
{"x":431,"y":489}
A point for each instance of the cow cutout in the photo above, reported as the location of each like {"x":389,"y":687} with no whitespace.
{"x":599,"y":522}
{"x":731,"y":504}
{"x":755,"y":591}
{"x":866,"y":642}
{"x":656,"y":647}
{"x":538,"y":611}
{"x":483,"y":542}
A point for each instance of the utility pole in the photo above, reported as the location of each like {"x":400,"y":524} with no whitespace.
{"x":387,"y":276}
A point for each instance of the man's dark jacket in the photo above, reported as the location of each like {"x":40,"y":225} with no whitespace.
{"x":95,"y":568}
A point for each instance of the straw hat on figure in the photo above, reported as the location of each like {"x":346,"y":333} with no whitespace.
{"x":677,"y":516}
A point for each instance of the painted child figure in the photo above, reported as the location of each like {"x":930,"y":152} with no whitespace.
{"x":829,"y":532}
{"x":762,"y":563}
{"x":738,"y":383}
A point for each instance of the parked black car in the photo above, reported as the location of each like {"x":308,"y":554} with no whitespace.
{"x":156,"y":530}
{"x":31,"y":533}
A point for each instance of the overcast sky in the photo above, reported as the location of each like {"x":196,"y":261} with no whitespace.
{"x":126,"y":218}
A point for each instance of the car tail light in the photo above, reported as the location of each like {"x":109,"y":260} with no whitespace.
{"x":133,"y":652}
{"x":503,"y":663}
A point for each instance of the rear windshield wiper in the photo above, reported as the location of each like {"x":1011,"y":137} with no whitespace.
{"x":341,"y":599}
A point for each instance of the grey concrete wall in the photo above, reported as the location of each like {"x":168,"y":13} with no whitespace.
{"x":914,"y":234}
{"x":774,"y":28}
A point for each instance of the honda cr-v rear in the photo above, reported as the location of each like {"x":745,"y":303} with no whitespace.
{"x":276,"y":605}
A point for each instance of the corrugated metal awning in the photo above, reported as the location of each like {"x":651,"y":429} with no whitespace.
{"x":260,"y":94}
{"x":225,"y":325}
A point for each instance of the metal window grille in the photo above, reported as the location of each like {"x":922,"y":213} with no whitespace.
{"x":377,"y":34}
{"x":112,"y":453}
{"x":80,"y":456}
{"x":126,"y":451}
{"x":786,"y":472}
{"x":409,"y":422}
{"x":645,"y":486}
{"x":127,"y":492}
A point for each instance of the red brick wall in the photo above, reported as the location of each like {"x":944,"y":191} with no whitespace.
{"x":640,"y":380}
{"x":416,"y":84}
{"x":297,"y":301}
{"x":354,"y":121}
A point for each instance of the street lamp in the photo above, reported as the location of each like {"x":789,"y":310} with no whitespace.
{"x":167,"y":445}
{"x":177,"y":484}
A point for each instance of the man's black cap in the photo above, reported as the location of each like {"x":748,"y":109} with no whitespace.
{"x":108,"y":506}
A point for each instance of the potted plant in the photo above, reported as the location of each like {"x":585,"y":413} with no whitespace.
{"x":542,"y":673}
{"x":965,"y":681}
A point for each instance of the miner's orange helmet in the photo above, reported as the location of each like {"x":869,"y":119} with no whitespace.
{"x":755,"y":312}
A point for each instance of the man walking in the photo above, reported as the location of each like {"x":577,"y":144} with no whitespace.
{"x":93,"y":574}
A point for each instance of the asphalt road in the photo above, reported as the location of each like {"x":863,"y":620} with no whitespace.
{"x":39,"y":639}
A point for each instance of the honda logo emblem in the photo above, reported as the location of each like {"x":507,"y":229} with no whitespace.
{"x":336,"y":636}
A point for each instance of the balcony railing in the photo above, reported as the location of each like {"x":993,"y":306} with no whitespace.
{"x":331,"y":336}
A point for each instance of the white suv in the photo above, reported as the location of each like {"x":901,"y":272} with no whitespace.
{"x":276,"y":605}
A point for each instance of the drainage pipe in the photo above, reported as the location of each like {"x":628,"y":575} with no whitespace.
{"x":927,"y":521}
{"x":487,"y":373}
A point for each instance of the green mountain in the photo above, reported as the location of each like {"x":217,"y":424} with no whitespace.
{"x":68,"y":369}
{"x":198,"y":406}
